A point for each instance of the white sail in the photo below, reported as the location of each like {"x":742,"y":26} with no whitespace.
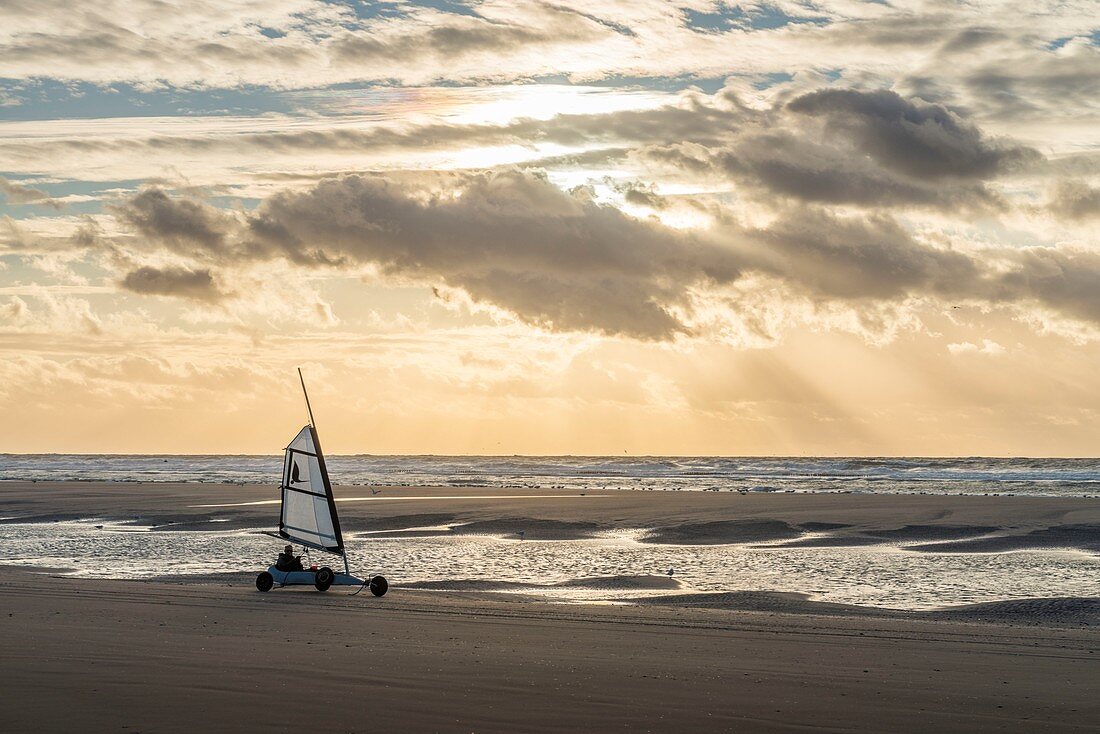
{"x":309,"y":511}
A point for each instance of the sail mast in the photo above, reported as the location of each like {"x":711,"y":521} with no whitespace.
{"x":304,"y":392}
{"x":320,"y":457}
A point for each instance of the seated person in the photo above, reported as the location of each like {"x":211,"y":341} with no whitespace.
{"x":288,"y":561}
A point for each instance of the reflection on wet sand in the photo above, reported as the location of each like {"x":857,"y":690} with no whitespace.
{"x":603,"y":566}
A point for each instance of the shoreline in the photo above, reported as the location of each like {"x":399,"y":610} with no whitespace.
{"x":649,"y":525}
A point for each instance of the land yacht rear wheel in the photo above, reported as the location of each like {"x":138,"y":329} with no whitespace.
{"x":324,"y":578}
{"x":265,"y":581}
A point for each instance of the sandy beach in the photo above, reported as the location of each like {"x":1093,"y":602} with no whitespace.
{"x":178,"y":654}
{"x":141,"y":656}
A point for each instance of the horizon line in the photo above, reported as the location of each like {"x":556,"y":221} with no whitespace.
{"x":580,"y":456}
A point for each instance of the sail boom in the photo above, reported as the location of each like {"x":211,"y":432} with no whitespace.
{"x":310,"y":544}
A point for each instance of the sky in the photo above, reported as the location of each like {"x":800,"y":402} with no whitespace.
{"x":694,"y":228}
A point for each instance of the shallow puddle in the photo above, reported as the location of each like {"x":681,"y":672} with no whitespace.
{"x":881,"y":575}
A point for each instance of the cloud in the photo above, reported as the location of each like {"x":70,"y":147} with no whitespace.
{"x":19,"y":194}
{"x":794,"y":149}
{"x":1025,"y":61}
{"x":1063,"y":279}
{"x":15,"y":310}
{"x":208,"y":44}
{"x":690,"y":116}
{"x":792,"y":165}
{"x":52,"y":313}
{"x":639,"y":195}
{"x":859,"y":258}
{"x":874,"y":150}
{"x":511,"y":240}
{"x":1075,"y":200}
{"x":987,"y":347}
{"x":920,"y":140}
{"x":452,"y":37}
{"x":1021,"y":84}
{"x":187,"y":225}
{"x":198,"y":285}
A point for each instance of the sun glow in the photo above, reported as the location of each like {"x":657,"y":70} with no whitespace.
{"x":498,"y":105}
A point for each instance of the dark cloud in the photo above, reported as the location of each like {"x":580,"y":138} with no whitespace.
{"x":969,"y":39}
{"x":1063,"y":280}
{"x":639,"y":194}
{"x":185,"y":224}
{"x":910,"y":137}
{"x":1075,"y":200}
{"x":853,"y":259}
{"x":873,"y":150}
{"x":508,"y":238}
{"x":558,"y":259}
{"x":856,"y":258}
{"x":198,"y":285}
{"x":794,"y":166}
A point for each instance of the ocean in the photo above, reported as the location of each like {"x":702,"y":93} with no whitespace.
{"x":973,"y":476}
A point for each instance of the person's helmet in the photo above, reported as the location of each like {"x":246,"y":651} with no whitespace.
{"x":288,"y":549}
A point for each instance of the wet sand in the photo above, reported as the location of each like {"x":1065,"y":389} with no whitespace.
{"x":82,"y":655}
{"x":920,"y":522}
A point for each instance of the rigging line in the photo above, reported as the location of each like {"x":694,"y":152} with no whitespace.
{"x":364,"y":585}
{"x":304,"y":392}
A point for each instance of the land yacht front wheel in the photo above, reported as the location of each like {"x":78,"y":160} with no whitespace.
{"x":379,"y":586}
